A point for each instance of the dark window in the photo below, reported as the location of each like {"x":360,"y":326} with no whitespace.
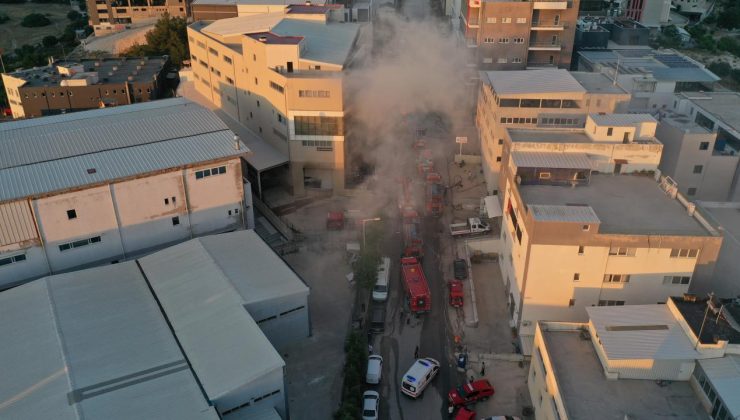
{"x":704,"y":145}
{"x":691,"y":191}
{"x":698,"y":169}
{"x":175,"y":221}
{"x":500,"y":141}
{"x":576,"y":276}
{"x":319,"y":126}
{"x":498,"y":159}
{"x":609,"y":131}
{"x":580,"y":250}
{"x":71,"y":214}
{"x":572,"y":302}
{"x":509,"y":103}
{"x":166,"y":201}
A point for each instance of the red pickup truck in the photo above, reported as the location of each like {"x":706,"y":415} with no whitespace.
{"x":470,"y":393}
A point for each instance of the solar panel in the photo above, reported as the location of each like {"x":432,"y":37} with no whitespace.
{"x":674,"y":61}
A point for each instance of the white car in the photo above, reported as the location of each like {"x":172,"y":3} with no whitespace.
{"x":370,"y":405}
{"x":418,"y":376}
{"x":374,"y":369}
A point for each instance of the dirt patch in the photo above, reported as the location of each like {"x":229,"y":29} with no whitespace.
{"x":13,"y":35}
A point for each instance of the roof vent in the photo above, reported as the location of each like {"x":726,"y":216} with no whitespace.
{"x":91,"y":171}
{"x":263,"y":38}
{"x":237,"y":145}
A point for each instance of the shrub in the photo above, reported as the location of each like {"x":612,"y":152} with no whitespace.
{"x":49,"y":41}
{"x":3,"y":18}
{"x":735,"y":75}
{"x":74,"y":15}
{"x":720,"y":68}
{"x":35,"y":20}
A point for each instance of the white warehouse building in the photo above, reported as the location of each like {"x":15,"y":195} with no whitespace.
{"x":171,"y":331}
{"x":105,"y":185}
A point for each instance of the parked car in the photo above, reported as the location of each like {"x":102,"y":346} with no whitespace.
{"x":456,"y":293}
{"x":470,"y":392}
{"x":370,"y":405}
{"x":419,"y":375}
{"x":465,"y":414}
{"x":377,"y":319}
{"x":374,"y":369}
{"x":460,"y":268}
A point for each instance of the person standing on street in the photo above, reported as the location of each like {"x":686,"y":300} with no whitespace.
{"x":483,"y":369}
{"x":416,"y":353}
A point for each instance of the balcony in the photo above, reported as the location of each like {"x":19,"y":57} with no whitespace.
{"x":548,"y":26}
{"x":545,"y":46}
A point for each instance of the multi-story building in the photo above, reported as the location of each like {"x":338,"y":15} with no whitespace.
{"x":727,"y":216}
{"x":701,"y":133}
{"x":281,"y":75}
{"x":224,"y":9}
{"x":108,"y":16}
{"x":514,"y":35}
{"x":651,"y":13}
{"x":537,"y":98}
{"x":99,"y":186}
{"x":88,"y":84}
{"x":585,"y":223}
{"x":652,"y":361}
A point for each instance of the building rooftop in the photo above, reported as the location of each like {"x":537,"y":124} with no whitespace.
{"x":512,"y":82}
{"x":662,"y":65}
{"x":622,"y":120}
{"x":240,"y":25}
{"x":722,"y":105}
{"x":641,"y":332}
{"x":681,"y":121}
{"x":554,"y":160}
{"x":579,"y":214}
{"x":528,"y":135}
{"x":625,"y":204}
{"x":585,"y":389}
{"x":102,"y":145}
{"x":110,"y":70}
{"x":324,"y":42}
{"x":694,"y":312}
{"x":219,"y":275}
{"x":724,"y":374}
{"x":597,"y":83}
{"x":86,"y":344}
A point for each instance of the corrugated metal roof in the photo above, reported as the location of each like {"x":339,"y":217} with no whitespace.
{"x":621,"y":119}
{"x":553,"y":213}
{"x":324,"y":42}
{"x":670,"y":343}
{"x":16,"y":223}
{"x":96,"y":337}
{"x":685,"y":75}
{"x":224,"y":344}
{"x":252,"y":266}
{"x":255,"y":413}
{"x":61,"y":174}
{"x":533,"y":81}
{"x":553,"y":160}
{"x":37,"y":140}
{"x":724,"y":374}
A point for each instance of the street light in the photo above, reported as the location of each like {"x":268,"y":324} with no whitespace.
{"x":363,"y":221}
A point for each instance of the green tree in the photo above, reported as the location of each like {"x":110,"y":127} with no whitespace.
{"x":74,"y":15}
{"x":735,"y":75}
{"x":4,"y":18}
{"x":670,"y":38}
{"x":35,"y":20}
{"x":729,"y":44}
{"x":169,"y":37}
{"x":49,"y":41}
{"x":729,"y":18}
{"x":720,"y":68}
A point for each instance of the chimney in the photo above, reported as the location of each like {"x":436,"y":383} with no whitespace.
{"x":237,"y":145}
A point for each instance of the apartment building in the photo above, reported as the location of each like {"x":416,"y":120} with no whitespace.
{"x":537,"y":98}
{"x":281,"y":75}
{"x":701,"y":133}
{"x":109,"y":16}
{"x":651,"y":13}
{"x":643,"y":361}
{"x":586,"y":223}
{"x":514,"y":35}
{"x":100,"y":186}
{"x":68,"y":86}
{"x":224,"y":9}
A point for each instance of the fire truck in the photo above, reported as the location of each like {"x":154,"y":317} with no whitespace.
{"x":413,"y":245}
{"x":415,"y":285}
{"x":424,"y":162}
{"x":434,"y":194}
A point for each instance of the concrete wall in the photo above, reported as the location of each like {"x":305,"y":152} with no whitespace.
{"x":265,"y":384}
{"x":282,"y":329}
{"x":542,"y":383}
{"x":124,"y":218}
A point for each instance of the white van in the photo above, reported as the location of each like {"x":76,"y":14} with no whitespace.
{"x":380,"y":291}
{"x":418,"y":376}
{"x":374,"y":369}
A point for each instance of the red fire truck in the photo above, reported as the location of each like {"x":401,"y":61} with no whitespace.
{"x":415,"y":285}
{"x":413,"y":245}
{"x":434,"y":194}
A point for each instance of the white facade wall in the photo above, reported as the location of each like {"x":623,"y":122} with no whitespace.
{"x":259,"y":387}
{"x":119,"y":219}
{"x":542,"y":383}
{"x":280,"y":319}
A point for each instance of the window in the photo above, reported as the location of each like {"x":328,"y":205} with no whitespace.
{"x":166,"y":201}
{"x":676,"y":279}
{"x":12,"y":259}
{"x":684,"y":253}
{"x":516,"y":60}
{"x":319,"y":126}
{"x":545,"y":175}
{"x":230,"y":81}
{"x":502,"y":61}
{"x":580,"y":250}
{"x":489,"y":40}
{"x":320,"y":145}
{"x":212,"y":51}
{"x":611,"y":303}
{"x":698,"y":169}
{"x":586,"y":228}
{"x":487,"y":60}
{"x":71,"y":214}
{"x":313,"y":93}
{"x":79,"y":244}
{"x":256,"y":82}
{"x":610,"y":131}
{"x":577,"y":277}
{"x":228,"y":59}
{"x":208,"y":172}
{"x":519,"y":40}
{"x":277,"y":87}
{"x":521,"y":20}
{"x":503,"y":40}
{"x":572,"y":302}
{"x":175,"y":221}
{"x":491,"y":20}
{"x":691,"y":191}
{"x":506,"y":20}
{"x":500,"y":141}
{"x":704,"y":145}
{"x":201,"y":44}
{"x":498,"y":158}
{"x":616,"y":278}
{"x":630,"y":252}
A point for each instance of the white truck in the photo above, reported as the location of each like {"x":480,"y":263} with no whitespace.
{"x":472,"y":227}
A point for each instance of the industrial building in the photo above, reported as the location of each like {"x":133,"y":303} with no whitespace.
{"x":645,"y":361}
{"x":68,"y":86}
{"x":701,"y":134}
{"x":547,"y":98}
{"x":281,"y":75}
{"x":173,"y":329}
{"x":101,"y":186}
{"x":515,"y":35}
{"x":110,"y":16}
